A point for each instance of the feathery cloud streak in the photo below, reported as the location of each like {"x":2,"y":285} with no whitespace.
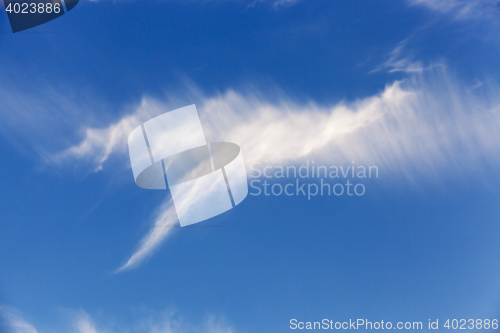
{"x":168,"y":321}
{"x":12,"y":321}
{"x":462,"y":9}
{"x":164,"y":221}
{"x":416,"y":127}
{"x":426,"y":123}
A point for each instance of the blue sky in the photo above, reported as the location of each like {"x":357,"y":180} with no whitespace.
{"x":408,"y":86}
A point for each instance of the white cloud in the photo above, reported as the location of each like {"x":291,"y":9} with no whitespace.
{"x":84,"y":324}
{"x":413,"y":128}
{"x":477,"y":84}
{"x":278,"y":3}
{"x":164,"y":221}
{"x":430,"y":125}
{"x":275,"y":3}
{"x":99,"y":143}
{"x":418,"y":121}
{"x":427,"y":125}
{"x":14,"y":322}
{"x":285,"y":2}
{"x":462,"y":9}
{"x":442,"y":5}
{"x":401,"y":60}
{"x":168,"y":321}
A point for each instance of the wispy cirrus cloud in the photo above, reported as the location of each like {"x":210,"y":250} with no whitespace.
{"x":274,"y":3}
{"x":277,"y":3}
{"x":84,"y":324}
{"x":164,"y":220}
{"x":12,"y":321}
{"x":167,"y":321}
{"x":462,"y":9}
{"x":418,"y":120}
{"x":99,"y":143}
{"x":429,"y":124}
{"x":285,"y":2}
{"x":400,"y":60}
{"x":426,"y":125}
